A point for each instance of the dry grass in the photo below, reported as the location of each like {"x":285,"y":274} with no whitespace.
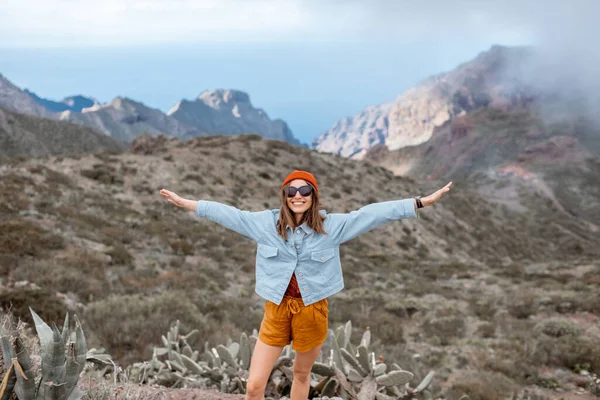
{"x":465,"y":275}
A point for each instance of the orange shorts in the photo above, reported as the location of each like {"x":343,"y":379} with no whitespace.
{"x":291,"y":321}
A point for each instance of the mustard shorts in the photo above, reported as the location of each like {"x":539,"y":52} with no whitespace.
{"x":291,"y":321}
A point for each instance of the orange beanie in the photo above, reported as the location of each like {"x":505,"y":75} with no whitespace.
{"x":307,"y":176}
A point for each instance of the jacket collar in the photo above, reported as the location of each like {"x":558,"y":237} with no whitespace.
{"x":305,"y":226}
{"x":307,"y":229}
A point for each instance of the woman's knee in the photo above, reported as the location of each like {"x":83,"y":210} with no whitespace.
{"x":302,"y":376}
{"x":255,"y":387}
{"x":302,"y":373}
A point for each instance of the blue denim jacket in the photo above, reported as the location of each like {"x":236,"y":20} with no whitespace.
{"x":314,"y":257}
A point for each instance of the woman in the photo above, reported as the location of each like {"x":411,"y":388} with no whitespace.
{"x":298,"y":267}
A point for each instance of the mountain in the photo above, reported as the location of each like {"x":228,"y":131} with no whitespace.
{"x":124,"y":119}
{"x":502,"y":153}
{"x":15,"y":99}
{"x":504,"y":124}
{"x":72,"y":103}
{"x":229,"y":112}
{"x":488,"y":80}
{"x":23,"y":135}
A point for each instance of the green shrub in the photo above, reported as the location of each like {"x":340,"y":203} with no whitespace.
{"x":249,"y":137}
{"x":557,"y":327}
{"x":522,"y":305}
{"x":264,"y":175}
{"x":486,"y":330}
{"x":403,"y":308}
{"x":103,"y":173}
{"x":194,"y":177}
{"x":482,"y":386}
{"x":119,"y":255}
{"x":483,"y":308}
{"x":128,"y":325}
{"x":86,"y":281}
{"x":22,"y":237}
{"x":568,"y":351}
{"x":444,"y":326}
{"x":45,"y":301}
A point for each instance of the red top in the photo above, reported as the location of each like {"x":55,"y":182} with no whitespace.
{"x":293,"y":289}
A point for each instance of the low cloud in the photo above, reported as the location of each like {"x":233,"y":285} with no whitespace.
{"x":41,"y":23}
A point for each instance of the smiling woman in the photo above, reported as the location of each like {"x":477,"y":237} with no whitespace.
{"x":298,"y":267}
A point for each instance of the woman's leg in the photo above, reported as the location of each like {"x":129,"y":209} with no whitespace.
{"x":303,"y":363}
{"x":263,"y":360}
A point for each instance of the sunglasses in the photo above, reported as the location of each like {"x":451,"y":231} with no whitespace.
{"x":305,"y":190}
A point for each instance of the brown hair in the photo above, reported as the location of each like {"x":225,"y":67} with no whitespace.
{"x":312,"y":217}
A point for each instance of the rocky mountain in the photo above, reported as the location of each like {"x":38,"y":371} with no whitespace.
{"x":23,"y":135}
{"x":229,"y":112}
{"x":494,"y":123}
{"x":502,"y":153}
{"x":14,"y":99}
{"x":124,"y":119}
{"x":490,"y":80}
{"x":71,"y":103}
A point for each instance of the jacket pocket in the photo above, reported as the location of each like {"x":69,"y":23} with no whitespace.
{"x":267,"y":256}
{"x":267,"y":251}
{"x":323,"y":263}
{"x":322,"y":255}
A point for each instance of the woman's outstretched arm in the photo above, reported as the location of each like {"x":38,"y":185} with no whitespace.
{"x":250,"y":224}
{"x":179,"y":201}
{"x":343,"y":227}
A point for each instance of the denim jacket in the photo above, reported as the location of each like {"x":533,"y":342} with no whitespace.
{"x":314,"y":257}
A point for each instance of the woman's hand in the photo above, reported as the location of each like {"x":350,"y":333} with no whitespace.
{"x":436,"y":196}
{"x":172,"y":197}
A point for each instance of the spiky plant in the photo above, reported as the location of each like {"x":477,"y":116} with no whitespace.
{"x":344,"y":370}
{"x":223,"y":367}
{"x":354,"y":372}
{"x":63,"y":360}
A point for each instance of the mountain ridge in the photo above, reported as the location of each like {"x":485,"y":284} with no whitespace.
{"x":222,"y":111}
{"x":486,"y":80}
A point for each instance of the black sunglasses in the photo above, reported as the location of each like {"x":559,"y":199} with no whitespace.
{"x":305,"y":190}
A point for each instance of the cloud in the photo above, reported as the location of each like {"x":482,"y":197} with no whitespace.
{"x":43,"y":23}
{"x":113,"y":22}
{"x":121,"y":22}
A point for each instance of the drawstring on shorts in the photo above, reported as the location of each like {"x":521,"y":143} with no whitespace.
{"x":292,"y":306}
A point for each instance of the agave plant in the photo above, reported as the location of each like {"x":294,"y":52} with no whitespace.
{"x":63,"y":359}
{"x":341,"y":370}
{"x":354,"y":372}
{"x":177,"y":365}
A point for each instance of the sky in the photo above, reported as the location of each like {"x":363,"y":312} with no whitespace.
{"x":308,"y":62}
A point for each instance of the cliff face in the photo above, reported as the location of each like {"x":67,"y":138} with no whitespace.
{"x":490,"y":80}
{"x":229,"y":112}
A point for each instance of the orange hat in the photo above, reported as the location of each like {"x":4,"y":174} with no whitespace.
{"x":307,"y":176}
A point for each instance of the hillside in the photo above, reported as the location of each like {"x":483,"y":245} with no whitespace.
{"x":14,"y":99}
{"x":27,"y":136}
{"x":505,"y":153}
{"x":468,"y":289}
